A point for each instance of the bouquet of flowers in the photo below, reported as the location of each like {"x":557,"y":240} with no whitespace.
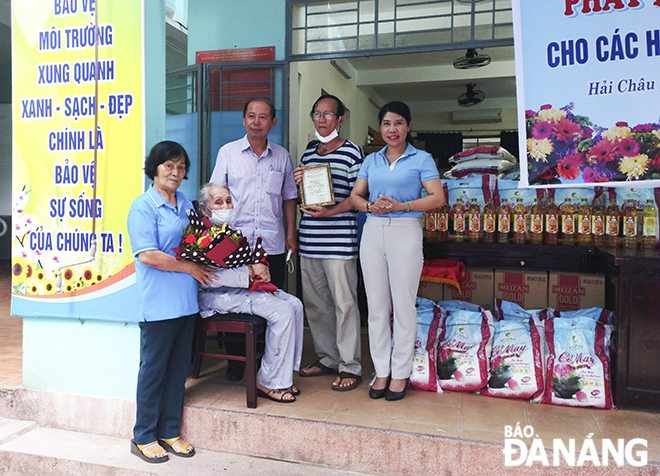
{"x":207,"y":244}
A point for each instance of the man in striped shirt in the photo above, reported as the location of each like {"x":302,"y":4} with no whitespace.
{"x":328,"y":248}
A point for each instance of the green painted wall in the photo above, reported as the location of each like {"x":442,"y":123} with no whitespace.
{"x":82,"y":357}
{"x":229,"y":24}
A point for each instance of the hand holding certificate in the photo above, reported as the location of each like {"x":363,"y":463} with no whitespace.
{"x":316,"y":186}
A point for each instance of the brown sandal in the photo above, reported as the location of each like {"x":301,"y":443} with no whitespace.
{"x":271,"y":395}
{"x":347,"y":376}
{"x":323,"y":370}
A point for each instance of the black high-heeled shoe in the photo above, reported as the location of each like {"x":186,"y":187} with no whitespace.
{"x":379,"y":393}
{"x":391,"y":396}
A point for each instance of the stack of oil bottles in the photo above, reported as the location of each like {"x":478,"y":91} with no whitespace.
{"x":598,"y":224}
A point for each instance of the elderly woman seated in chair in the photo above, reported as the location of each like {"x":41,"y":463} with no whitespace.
{"x":230,"y":292}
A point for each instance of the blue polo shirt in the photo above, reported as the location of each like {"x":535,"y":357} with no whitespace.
{"x":154,"y":224}
{"x":403,"y":181}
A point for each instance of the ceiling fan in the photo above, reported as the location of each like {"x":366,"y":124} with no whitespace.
{"x":471,"y":60}
{"x":471,"y":96}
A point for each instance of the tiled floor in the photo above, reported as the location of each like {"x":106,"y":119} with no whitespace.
{"x":451,"y":414}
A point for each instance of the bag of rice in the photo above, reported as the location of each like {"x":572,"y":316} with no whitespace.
{"x":463,"y":349}
{"x":516,"y":364}
{"x":423,"y":376}
{"x":578,"y":365}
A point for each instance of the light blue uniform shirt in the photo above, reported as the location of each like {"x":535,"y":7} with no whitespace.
{"x":154,"y":224}
{"x":403,"y":182}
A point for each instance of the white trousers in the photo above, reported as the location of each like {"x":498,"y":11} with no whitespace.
{"x":284,"y":333}
{"x":392,"y":260}
{"x":330,"y":296}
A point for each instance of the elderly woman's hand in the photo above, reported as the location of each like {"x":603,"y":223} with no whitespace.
{"x":203,"y":274}
{"x":261,"y":272}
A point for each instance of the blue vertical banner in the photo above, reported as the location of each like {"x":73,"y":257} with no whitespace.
{"x":588,"y":88}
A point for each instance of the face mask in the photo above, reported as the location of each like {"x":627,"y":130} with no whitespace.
{"x":218,"y":217}
{"x":328,"y":138}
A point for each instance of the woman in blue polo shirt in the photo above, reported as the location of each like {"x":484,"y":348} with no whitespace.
{"x":168,"y":307}
{"x":389,"y":188}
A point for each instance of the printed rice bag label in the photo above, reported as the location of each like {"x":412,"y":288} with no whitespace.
{"x":467,"y":189}
{"x":463,"y":347}
{"x":509,"y":189}
{"x":424,"y":376}
{"x":515,"y":365}
{"x":578,"y":365}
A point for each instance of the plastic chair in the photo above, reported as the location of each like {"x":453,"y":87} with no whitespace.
{"x":249,"y":325}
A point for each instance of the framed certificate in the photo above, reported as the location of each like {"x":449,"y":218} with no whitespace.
{"x":316,"y":186}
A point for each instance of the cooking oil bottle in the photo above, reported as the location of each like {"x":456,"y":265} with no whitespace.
{"x":430,"y":227}
{"x":650,"y":220}
{"x":583,"y":223}
{"x":490,"y":219}
{"x":629,"y":225}
{"x":536,"y":223}
{"x":551,"y":222}
{"x":503,"y":222}
{"x":598,"y":223}
{"x":568,"y":223}
{"x":474,"y":221}
{"x":613,"y":224}
{"x":442,"y":222}
{"x":459,"y":221}
{"x":519,"y":222}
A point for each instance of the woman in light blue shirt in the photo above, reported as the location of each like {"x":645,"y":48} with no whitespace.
{"x":168,"y":304}
{"x":389,"y":188}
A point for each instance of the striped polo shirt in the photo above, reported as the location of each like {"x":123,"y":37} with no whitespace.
{"x":333,"y":237}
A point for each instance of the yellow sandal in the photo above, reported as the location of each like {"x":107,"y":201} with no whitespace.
{"x":168,"y":444}
{"x":145,"y":452}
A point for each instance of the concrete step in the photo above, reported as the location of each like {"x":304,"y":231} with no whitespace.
{"x":27,"y":449}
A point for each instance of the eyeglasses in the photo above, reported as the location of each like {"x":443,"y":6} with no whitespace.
{"x":328,"y":116}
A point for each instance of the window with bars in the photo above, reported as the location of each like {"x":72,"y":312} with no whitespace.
{"x":357,"y":26}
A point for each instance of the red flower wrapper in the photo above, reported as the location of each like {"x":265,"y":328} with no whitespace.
{"x":207,"y":244}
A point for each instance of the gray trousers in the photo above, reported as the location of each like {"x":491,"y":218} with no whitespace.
{"x":392,"y":260}
{"x":330,"y":298}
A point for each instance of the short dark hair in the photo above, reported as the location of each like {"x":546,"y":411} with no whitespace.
{"x":341,"y":110}
{"x":161,"y":153}
{"x":400,"y":108}
{"x":267,"y":101}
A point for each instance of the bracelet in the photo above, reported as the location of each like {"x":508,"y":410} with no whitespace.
{"x":369,"y":206}
{"x":406,"y":205}
{"x":251,"y":269}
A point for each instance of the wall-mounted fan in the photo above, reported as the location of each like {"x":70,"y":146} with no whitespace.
{"x":471,"y":60}
{"x":471,"y":97}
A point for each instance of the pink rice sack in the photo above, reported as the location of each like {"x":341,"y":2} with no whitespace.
{"x":578,"y":365}
{"x":424,"y":376}
{"x":463,"y":349}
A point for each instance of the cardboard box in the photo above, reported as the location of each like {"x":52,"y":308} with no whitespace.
{"x":477,"y":287}
{"x":573,"y":291}
{"x":529,"y":289}
{"x":432,"y":291}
